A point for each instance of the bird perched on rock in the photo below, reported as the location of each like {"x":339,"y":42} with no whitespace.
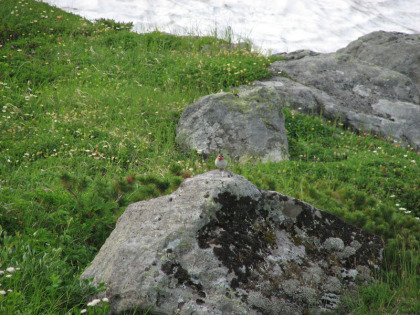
{"x":220,"y":162}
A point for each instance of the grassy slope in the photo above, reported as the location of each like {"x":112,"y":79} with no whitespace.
{"x":88,"y":121}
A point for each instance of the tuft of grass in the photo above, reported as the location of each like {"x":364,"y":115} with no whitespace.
{"x":87,"y":126}
{"x":396,"y":290}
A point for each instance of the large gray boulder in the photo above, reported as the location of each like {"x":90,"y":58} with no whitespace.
{"x":371,"y":85}
{"x":220,"y":245}
{"x":396,"y":51}
{"x":244,"y":122}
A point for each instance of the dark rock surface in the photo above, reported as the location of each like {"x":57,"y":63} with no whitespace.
{"x":220,"y":245}
{"x":245,"y":122}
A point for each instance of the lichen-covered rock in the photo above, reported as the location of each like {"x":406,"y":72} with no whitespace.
{"x":245,"y":122}
{"x":220,"y":245}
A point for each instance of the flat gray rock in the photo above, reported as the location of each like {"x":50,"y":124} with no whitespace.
{"x":241,"y":123}
{"x":220,"y":245}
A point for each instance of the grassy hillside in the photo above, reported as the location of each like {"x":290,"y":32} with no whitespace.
{"x":89,"y":113}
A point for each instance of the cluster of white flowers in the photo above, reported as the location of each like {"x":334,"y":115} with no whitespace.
{"x":402,"y":209}
{"x":9,"y":271}
{"x":94,"y":303}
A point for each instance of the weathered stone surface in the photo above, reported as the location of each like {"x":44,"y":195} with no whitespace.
{"x":298,"y":54}
{"x":245,"y":122}
{"x":350,"y":80}
{"x":396,"y":51}
{"x":371,"y":85}
{"x":220,"y":245}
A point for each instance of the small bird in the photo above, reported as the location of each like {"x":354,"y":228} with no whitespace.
{"x":220,"y":162}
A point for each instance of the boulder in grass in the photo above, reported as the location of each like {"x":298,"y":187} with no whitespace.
{"x":241,"y":123}
{"x":220,"y":245}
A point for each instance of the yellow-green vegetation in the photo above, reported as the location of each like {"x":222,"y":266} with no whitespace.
{"x":87,"y":126}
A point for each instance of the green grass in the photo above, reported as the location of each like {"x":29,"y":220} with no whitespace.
{"x":89,"y":113}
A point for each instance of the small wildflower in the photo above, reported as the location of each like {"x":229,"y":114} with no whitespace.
{"x":407,"y":212}
{"x":83,"y":311}
{"x":1,"y":272}
{"x":105,"y":299}
{"x":94,"y":302}
{"x":8,"y":276}
{"x":402,"y":209}
{"x":2,"y":292}
{"x":10,"y":290}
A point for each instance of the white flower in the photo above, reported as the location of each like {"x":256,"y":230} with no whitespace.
{"x":402,"y":209}
{"x":11,"y":269}
{"x":2,"y":292}
{"x":105,"y":299}
{"x":83,"y":311}
{"x":94,"y":302}
{"x":8,"y":276}
{"x":407,"y":212}
{"x":1,"y":272}
{"x":10,"y":290}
